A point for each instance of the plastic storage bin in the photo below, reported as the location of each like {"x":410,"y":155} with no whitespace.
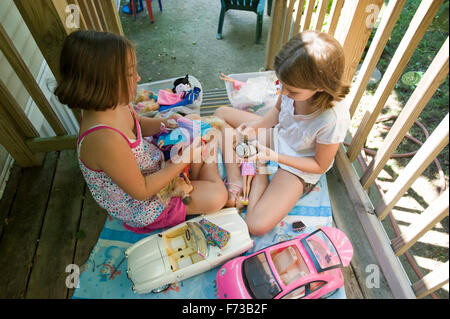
{"x":260,"y":109}
{"x":168,"y":84}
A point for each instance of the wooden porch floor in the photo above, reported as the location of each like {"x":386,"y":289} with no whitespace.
{"x":42,"y":210}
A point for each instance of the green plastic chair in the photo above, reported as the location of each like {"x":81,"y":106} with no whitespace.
{"x":256,"y":6}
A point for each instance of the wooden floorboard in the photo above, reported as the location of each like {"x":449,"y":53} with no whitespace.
{"x":9,"y":195}
{"x":93,"y":218}
{"x":58,"y":237}
{"x":20,"y":236}
{"x":364,"y":260}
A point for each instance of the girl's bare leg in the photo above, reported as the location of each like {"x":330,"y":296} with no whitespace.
{"x":269,"y":204}
{"x":209,"y":194}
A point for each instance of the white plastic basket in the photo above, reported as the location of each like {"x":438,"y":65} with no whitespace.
{"x":244,"y":77}
{"x":168,"y":84}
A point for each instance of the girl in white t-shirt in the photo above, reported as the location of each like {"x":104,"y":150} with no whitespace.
{"x":302,"y":131}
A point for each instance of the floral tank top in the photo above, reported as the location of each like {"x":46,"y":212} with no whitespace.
{"x":119,"y":204}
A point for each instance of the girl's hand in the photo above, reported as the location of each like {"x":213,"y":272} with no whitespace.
{"x":191,"y":153}
{"x":246,"y":129}
{"x":171,"y":121}
{"x":264,"y":153}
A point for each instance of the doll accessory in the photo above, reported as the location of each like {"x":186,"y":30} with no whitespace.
{"x":215,"y":235}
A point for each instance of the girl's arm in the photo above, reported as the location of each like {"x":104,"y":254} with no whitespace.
{"x":152,"y":126}
{"x":115,"y":158}
{"x":270,"y":119}
{"x":318,"y":164}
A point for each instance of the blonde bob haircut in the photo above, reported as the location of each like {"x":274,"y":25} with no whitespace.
{"x":315,"y":61}
{"x":94,"y":70}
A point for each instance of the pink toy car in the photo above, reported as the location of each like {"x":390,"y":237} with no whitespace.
{"x":307,"y":266}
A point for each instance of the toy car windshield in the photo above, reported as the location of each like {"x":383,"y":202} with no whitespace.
{"x":322,"y":251}
{"x":258,"y":277}
{"x":200,"y":241}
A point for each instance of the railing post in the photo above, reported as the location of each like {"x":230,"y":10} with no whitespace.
{"x":387,"y":23}
{"x":46,"y":21}
{"x":15,"y":128}
{"x":309,"y":8}
{"x":353,"y":31}
{"x":288,"y":21}
{"x":333,"y":18}
{"x":432,"y":281}
{"x":275,"y":32}
{"x":29,"y":82}
{"x":430,"y":217}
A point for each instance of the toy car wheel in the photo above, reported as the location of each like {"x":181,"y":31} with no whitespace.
{"x":160,"y":289}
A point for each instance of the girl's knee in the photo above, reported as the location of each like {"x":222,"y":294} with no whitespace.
{"x":218,"y":197}
{"x":257,"y":226}
{"x":221,"y":111}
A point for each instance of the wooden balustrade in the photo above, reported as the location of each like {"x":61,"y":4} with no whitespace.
{"x":334,"y":16}
{"x":419,"y":24}
{"x":349,"y":22}
{"x":27,"y":78}
{"x":426,"y":154}
{"x":432,"y":79}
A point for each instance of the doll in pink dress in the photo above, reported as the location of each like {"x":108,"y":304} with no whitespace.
{"x":248,"y":170}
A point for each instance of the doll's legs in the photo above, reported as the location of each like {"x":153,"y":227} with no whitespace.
{"x":233,"y":118}
{"x":270,"y":202}
{"x":247,"y":187}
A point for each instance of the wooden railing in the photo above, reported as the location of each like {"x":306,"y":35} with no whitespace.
{"x":351,"y":23}
{"x":49,"y":22}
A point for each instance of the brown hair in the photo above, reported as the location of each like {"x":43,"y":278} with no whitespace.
{"x":93,"y":69}
{"x":313,"y":60}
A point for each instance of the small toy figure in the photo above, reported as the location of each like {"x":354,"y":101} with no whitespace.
{"x":180,"y":186}
{"x":145,"y":101}
{"x":248,"y":169}
{"x":236,"y":83}
{"x":167,"y":138}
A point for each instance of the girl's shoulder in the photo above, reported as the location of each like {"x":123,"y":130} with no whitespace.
{"x":339,"y":112}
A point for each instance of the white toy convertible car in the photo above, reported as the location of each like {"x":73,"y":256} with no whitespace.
{"x":183,"y":251}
